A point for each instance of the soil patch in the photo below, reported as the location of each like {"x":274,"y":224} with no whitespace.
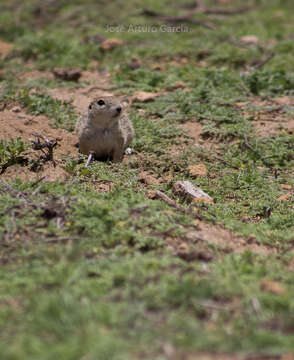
{"x":36,"y":74}
{"x":80,"y":97}
{"x":5,"y":49}
{"x":13,"y":125}
{"x":228,"y":241}
{"x":195,"y":243}
{"x":194,"y":129}
{"x":16,"y":123}
{"x":270,"y":116}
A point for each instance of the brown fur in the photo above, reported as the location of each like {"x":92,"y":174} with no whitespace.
{"x":104,"y":130}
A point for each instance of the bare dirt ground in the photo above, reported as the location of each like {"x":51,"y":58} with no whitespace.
{"x":270,"y":116}
{"x":15,"y":122}
{"x":19,"y":124}
{"x":5,"y":48}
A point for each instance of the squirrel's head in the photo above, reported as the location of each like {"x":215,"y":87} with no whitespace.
{"x":105,"y":109}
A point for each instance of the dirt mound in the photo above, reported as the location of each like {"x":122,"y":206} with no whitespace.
{"x":18,"y":124}
{"x":229,"y":241}
{"x":195,"y":131}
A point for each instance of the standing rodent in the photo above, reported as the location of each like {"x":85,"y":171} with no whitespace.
{"x":105,"y":129}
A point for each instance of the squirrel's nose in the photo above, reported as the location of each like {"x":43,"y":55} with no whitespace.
{"x":118,"y":109}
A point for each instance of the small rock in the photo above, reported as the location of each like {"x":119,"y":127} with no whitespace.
{"x":110,"y":44}
{"x":67,"y":74}
{"x":284,"y":100}
{"x":240,"y":104}
{"x":143,"y":96}
{"x":183,"y":247}
{"x":286,"y":187}
{"x":135,"y":63}
{"x":151,"y":194}
{"x":21,"y":116}
{"x":272,"y":286}
{"x":93,"y":39}
{"x":16,"y":109}
{"x":284,"y":197}
{"x":176,"y":85}
{"x":197,"y":170}
{"x":158,"y":67}
{"x":186,"y":189}
{"x":200,"y":252}
{"x":250,"y":39}
{"x":147,"y":179}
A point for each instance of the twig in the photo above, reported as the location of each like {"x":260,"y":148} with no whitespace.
{"x":247,"y":143}
{"x":212,"y":305}
{"x":255,"y":305}
{"x":170,"y":202}
{"x":226,"y":162}
{"x":57,"y":240}
{"x":262,"y":159}
{"x":48,"y":144}
{"x":245,"y":88}
{"x":261,"y":63}
{"x":37,"y":181}
{"x":178,"y":19}
{"x":274,"y":109}
{"x":90,"y":158}
{"x":222,"y":11}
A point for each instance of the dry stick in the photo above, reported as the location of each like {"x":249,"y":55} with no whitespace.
{"x":221,"y":11}
{"x":200,"y":8}
{"x":245,"y":88}
{"x":177,"y":19}
{"x":226,"y":162}
{"x":90,"y":158}
{"x":49,"y":144}
{"x":37,"y":181}
{"x":175,"y":205}
{"x":263,"y":62}
{"x":256,"y":152}
{"x":57,"y":240}
{"x":273,"y":109}
{"x":170,"y":202}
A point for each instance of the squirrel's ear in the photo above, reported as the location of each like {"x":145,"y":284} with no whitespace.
{"x":125,"y":102}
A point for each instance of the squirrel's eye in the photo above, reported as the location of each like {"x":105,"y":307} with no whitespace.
{"x":90,"y":106}
{"x":100,"y":102}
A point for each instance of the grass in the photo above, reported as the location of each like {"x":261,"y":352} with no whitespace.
{"x":87,"y":274}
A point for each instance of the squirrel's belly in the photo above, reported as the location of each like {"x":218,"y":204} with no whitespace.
{"x":100,"y":144}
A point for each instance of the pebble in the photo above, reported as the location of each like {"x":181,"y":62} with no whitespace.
{"x":16,"y":109}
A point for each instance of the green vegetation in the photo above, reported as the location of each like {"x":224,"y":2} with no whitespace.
{"x":95,"y":267}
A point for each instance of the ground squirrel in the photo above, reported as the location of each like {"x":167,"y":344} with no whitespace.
{"x":105,"y":130}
